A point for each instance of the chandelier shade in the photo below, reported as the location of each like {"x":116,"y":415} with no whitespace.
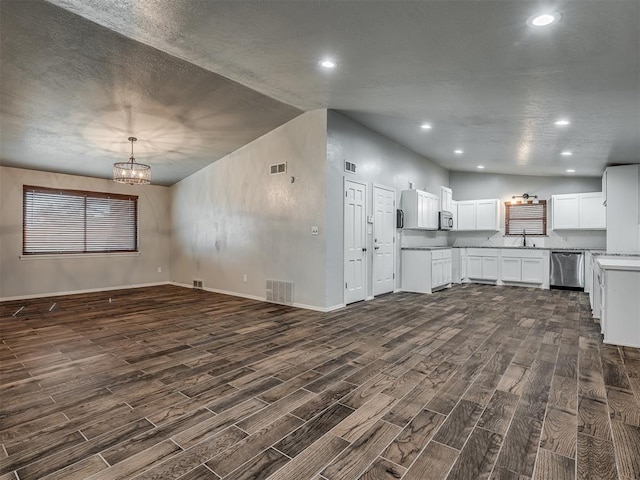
{"x":131,"y":172}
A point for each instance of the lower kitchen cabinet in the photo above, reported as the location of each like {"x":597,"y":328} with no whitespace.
{"x":616,"y":297}
{"x":482,"y":264}
{"x":529,"y":267}
{"x":424,"y":271}
{"x":523,"y":266}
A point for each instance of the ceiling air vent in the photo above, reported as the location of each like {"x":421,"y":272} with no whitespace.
{"x":349,"y":167}
{"x":277,"y":168}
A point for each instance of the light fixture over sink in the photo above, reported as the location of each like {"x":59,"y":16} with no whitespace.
{"x":131,"y":172}
{"x":524,"y":198}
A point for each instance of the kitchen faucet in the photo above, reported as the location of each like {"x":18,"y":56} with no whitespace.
{"x":524,"y":237}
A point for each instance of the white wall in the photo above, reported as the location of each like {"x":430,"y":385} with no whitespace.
{"x":232,"y":218}
{"x":470,"y":186}
{"x":20,"y":277}
{"x":379,"y":161}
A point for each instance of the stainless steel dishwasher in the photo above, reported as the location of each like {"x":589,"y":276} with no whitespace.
{"x":567,"y":270}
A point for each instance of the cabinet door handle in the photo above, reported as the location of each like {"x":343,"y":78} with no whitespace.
{"x":364,"y":249}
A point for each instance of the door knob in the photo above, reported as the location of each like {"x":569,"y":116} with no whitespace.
{"x":377,"y":247}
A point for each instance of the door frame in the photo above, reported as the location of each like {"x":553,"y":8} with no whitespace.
{"x":395,"y":243}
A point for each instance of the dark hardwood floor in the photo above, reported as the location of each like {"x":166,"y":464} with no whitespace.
{"x":159,"y":383}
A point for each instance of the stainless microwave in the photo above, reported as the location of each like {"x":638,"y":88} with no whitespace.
{"x":446,"y":220}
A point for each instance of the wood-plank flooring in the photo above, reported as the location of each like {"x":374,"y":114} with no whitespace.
{"x":472,"y":382}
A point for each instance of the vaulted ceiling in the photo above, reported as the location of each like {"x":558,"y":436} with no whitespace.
{"x":195,"y":80}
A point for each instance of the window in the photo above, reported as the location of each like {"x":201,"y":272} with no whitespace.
{"x":73,"y":221}
{"x":529,"y":217}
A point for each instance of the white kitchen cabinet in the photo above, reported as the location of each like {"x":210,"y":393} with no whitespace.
{"x":511,"y":269}
{"x":490,"y":268}
{"x":523,"y":266}
{"x":578,"y":211}
{"x":487,"y":213}
{"x":566,"y":211}
{"x":619,"y":302}
{"x":623,"y":209}
{"x":447,"y":270}
{"x":482,"y":264}
{"x":532,"y":270}
{"x":479,"y":215}
{"x":467,"y":215}
{"x":593,"y":214}
{"x":424,"y":271}
{"x":454,"y":214}
{"x":420,"y":210}
{"x":474,"y":266}
{"x":446,"y":197}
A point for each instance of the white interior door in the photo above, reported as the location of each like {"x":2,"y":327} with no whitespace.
{"x":355,"y":241}
{"x":384,"y":205}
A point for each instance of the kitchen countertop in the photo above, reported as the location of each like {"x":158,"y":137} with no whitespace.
{"x":603,"y":253}
{"x":562,"y":249}
{"x":620,"y":263}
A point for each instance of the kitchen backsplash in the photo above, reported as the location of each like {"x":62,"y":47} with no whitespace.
{"x":423,"y":238}
{"x":566,"y":239}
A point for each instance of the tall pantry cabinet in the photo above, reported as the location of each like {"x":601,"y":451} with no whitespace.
{"x":621,"y":190}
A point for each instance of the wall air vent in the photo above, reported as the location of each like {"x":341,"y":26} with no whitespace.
{"x":277,"y":168}
{"x":280,"y":292}
{"x":198,"y":284}
{"x":349,"y":167}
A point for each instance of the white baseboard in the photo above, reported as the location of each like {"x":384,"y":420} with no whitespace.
{"x":319,"y":309}
{"x":223,"y":292}
{"x":155,"y":284}
{"x":258,"y":298}
{"x":86,"y":290}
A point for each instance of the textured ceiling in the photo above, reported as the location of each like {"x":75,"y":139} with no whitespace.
{"x":488,"y":83}
{"x":72,"y":92}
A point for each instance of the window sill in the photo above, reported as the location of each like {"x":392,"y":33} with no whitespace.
{"x":78,"y":255}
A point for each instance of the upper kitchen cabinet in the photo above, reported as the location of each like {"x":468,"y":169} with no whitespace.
{"x":479,"y":214}
{"x":420,"y":210}
{"x":623,"y":208}
{"x":446,"y":199}
{"x":578,"y":211}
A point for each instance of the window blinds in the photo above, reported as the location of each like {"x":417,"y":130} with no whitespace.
{"x":531,"y":217}
{"x":72,"y":221}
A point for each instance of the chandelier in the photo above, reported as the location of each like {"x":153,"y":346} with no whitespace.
{"x":132,"y":172}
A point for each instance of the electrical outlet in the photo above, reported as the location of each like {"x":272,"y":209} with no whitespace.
{"x":315,"y":230}
{"x":159,"y":269}
{"x":244,"y":277}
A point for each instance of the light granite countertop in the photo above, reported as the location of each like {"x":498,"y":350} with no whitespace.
{"x":561,"y":249}
{"x":620,"y":262}
{"x":603,"y":253}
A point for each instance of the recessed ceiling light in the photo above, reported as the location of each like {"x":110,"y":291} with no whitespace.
{"x":563,"y":122}
{"x":458,"y":152}
{"x":481,"y":167}
{"x":328,"y":64}
{"x":571,"y":170}
{"x":543,"y":19}
{"x":425,"y":126}
{"x":566,"y":153}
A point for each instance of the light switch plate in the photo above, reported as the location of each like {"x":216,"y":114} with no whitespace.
{"x":315,"y":230}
